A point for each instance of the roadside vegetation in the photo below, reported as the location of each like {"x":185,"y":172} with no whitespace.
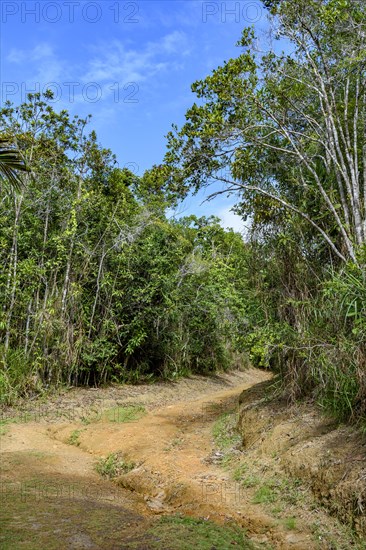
{"x":184,"y":533}
{"x":98,"y":285}
{"x":113,"y":465}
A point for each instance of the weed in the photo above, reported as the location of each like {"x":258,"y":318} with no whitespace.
{"x":239,"y":472}
{"x":265,"y":495}
{"x":277,"y":510}
{"x":250,"y":481}
{"x":224,"y":432}
{"x":289,"y":490}
{"x":3,"y":430}
{"x":74,"y":438}
{"x":344,"y":539}
{"x":290,"y":523}
{"x":113,"y":465}
{"x":4,"y":424}
{"x":283,"y":490}
{"x":227,"y":460}
{"x":175,"y":443}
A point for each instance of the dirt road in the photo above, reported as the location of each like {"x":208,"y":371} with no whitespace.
{"x":162,"y":449}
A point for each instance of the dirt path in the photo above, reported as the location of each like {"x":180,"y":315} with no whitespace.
{"x":165,"y":433}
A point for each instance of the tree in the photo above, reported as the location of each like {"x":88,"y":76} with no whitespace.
{"x":96,"y":284}
{"x":288,"y":127}
{"x":11,"y":162}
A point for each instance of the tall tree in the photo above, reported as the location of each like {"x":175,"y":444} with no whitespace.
{"x":289,"y":127}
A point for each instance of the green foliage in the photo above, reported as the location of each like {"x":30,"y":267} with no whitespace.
{"x":285,"y":132}
{"x":11,"y":163}
{"x":113,"y":465}
{"x":18,"y":376}
{"x":74,"y":438}
{"x":96,"y":284}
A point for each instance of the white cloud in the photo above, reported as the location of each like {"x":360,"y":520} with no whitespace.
{"x":231,"y":220}
{"x":174,"y":42}
{"x":114,"y":62}
{"x":39,"y":52}
{"x":111,"y":66}
{"x":16,"y":56}
{"x":41,"y":62}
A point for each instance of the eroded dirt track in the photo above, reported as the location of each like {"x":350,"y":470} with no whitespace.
{"x":48,"y":467}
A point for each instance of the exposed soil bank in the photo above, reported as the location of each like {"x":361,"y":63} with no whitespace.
{"x":329,"y":457}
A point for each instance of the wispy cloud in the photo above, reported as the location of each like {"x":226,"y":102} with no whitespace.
{"x":114,"y":61}
{"x":107,"y":64}
{"x":41,"y":62}
{"x":39,"y":52}
{"x":231,"y":220}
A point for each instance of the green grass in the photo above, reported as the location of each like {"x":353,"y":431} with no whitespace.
{"x":127,"y":413}
{"x":251,"y":481}
{"x":240,"y":472}
{"x":113,"y":465}
{"x":185,"y":533}
{"x":290,"y":523}
{"x":35,"y":520}
{"x":73,"y":439}
{"x":265,"y":495}
{"x":224,"y":432}
{"x":286,"y":491}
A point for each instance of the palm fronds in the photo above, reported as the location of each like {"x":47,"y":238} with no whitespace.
{"x":11,"y":163}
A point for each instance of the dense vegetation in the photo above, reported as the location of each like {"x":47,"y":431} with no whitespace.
{"x":287,"y":134}
{"x":98,"y":285}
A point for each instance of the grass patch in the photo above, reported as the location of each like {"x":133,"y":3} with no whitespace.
{"x":290,"y":523}
{"x":113,"y":465}
{"x":4,"y":423}
{"x":119,"y":414}
{"x":251,"y":481}
{"x":290,"y":490}
{"x":127,"y":413}
{"x":53,"y":515}
{"x":225,"y":433}
{"x":265,"y":495}
{"x":227,"y":439}
{"x":3,"y":427}
{"x":240,"y":472}
{"x":344,"y":539}
{"x":73,"y":438}
{"x":185,"y":533}
{"x":277,"y":490}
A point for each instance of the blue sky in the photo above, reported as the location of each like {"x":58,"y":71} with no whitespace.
{"x":129,"y":64}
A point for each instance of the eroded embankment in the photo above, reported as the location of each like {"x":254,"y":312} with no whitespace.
{"x":328,"y":457}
